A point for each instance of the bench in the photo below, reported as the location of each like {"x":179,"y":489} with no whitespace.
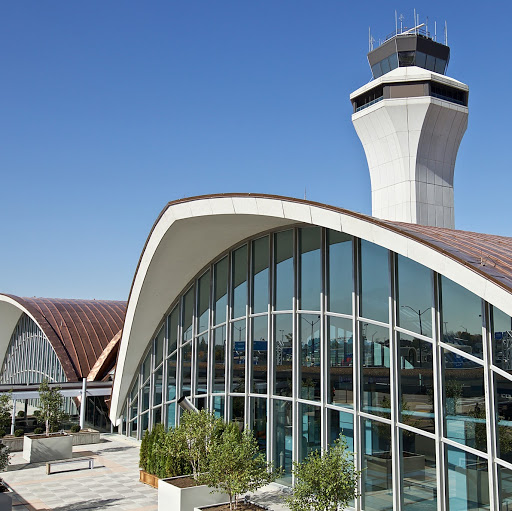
{"x":50,"y":464}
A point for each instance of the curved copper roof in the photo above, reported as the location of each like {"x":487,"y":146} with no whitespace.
{"x":78,"y":330}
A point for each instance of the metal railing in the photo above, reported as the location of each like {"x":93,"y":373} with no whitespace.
{"x":366,"y":105}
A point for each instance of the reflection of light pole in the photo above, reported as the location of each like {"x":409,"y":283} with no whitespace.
{"x":419,"y":313}
{"x":312,"y":323}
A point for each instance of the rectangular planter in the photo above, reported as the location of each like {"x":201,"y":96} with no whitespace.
{"x":147,"y":478}
{"x":85,"y":437}
{"x":6,"y":499}
{"x":14,"y":443}
{"x":38,"y":448}
{"x":379,"y":470}
{"x":172,"y":498}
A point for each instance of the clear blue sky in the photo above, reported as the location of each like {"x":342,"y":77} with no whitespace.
{"x":111,"y":109}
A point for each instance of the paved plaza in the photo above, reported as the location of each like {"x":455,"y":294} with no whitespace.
{"x":112,"y":485}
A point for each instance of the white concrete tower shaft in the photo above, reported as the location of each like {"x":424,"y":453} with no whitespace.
{"x":411,"y":121}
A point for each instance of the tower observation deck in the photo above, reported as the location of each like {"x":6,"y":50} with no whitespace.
{"x":411,"y":118}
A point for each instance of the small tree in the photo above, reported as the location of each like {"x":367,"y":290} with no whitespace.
{"x":4,"y":457}
{"x":5,"y":411}
{"x":325,"y":481}
{"x":196,"y":433}
{"x":50,"y":404}
{"x":236,"y":466}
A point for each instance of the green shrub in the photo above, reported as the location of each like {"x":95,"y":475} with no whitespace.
{"x":143,"y":452}
{"x":21,"y":414}
{"x":5,"y":410}
{"x":2,"y":433}
{"x":75,"y":428}
{"x":37,"y":413}
{"x":55,"y":428}
{"x":38,"y":431}
{"x":19,"y":432}
{"x":4,"y":457}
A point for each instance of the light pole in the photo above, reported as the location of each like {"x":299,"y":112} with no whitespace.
{"x":312,"y":323}
{"x":419,"y":313}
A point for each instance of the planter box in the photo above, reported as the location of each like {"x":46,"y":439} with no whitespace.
{"x":38,"y":448}
{"x":147,"y":478}
{"x":172,"y":498}
{"x":379,"y":470}
{"x":86,"y":436}
{"x":14,"y":443}
{"x":5,"y":498}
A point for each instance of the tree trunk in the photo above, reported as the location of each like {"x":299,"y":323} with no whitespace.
{"x":47,"y":427}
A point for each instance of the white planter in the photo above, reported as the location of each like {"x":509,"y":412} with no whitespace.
{"x":86,"y":437}
{"x":37,"y":448}
{"x":172,"y":498}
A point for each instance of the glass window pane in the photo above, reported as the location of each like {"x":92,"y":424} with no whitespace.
{"x":159,"y":347}
{"x":220,"y":293}
{"x":203,"y":302}
{"x":393,"y":61}
{"x":418,"y":472}
{"x":260,"y":268}
{"x":462,"y":318}
{"x":259,"y":425}
{"x":505,"y":486}
{"x":157,"y":416}
{"x":310,"y":240}
{"x":503,"y":406}
{"x":283,"y":354}
{"x":186,"y":369}
{"x":414,"y":296}
{"x":421,"y":59}
{"x":145,"y":397}
{"x":259,"y":354}
{"x":384,"y":64}
{"x":310,"y":417}
{"x":202,"y":363}
{"x":431,"y":63}
{"x":218,"y":406}
{"x":375,"y":373}
{"x":377,"y":474}
{"x":309,"y":328}
{"x":157,"y":399}
{"x":133,"y":428}
{"x":341,"y":423}
{"x":283,"y":248}
{"x":440,"y":66}
{"x":376,"y":70}
{"x":239,"y":282}
{"x":416,"y":386}
{"x":135,"y":388}
{"x":238,"y":335}
{"x":340,"y":362}
{"x":238,"y":410}
{"x":464,"y":401}
{"x":502,"y":340}
{"x":188,"y":309}
{"x":219,"y":359}
{"x":173,"y":321}
{"x":341,"y":284}
{"x":468,"y":480}
{"x":374,"y":282}
{"x":171,"y":378}
{"x":146,"y":366}
{"x":171,"y":415}
{"x":283,"y":439}
{"x":144,"y":423}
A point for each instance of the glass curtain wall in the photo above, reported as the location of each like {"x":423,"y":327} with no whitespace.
{"x":304,"y":334}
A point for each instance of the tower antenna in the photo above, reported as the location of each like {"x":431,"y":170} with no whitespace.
{"x":415,"y":21}
{"x":435,"y":31}
{"x":445,"y":33}
{"x":401,"y":18}
{"x":396,"y":24}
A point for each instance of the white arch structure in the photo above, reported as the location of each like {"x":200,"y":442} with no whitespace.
{"x":190,"y":233}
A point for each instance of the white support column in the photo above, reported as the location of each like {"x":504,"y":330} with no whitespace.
{"x":13,"y":419}
{"x":83,"y":403}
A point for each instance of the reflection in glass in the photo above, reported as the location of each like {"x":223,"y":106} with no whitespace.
{"x":464,"y":401}
{"x":462,"y":318}
{"x":374,"y":281}
{"x":259,"y":425}
{"x":238,"y":336}
{"x":340,"y":374}
{"x":502,"y":339}
{"x":159,"y":347}
{"x":188,"y":309}
{"x":468,"y":480}
{"x":283,"y":439}
{"x":414,"y":296}
{"x":377,"y":472}
{"x":503,"y":406}
{"x":133,"y":428}
{"x":416,"y":386}
{"x":260,"y":269}
{"x":238,"y":410}
{"x":145,"y":397}
{"x":171,"y":378}
{"x":220,"y":291}
{"x":309,"y":328}
{"x":341,"y":423}
{"x":259,"y":346}
{"x":203,"y":302}
{"x":375,"y":373}
{"x":310,"y":417}
{"x":310,"y":241}
{"x":219,"y":359}
{"x":173,"y":321}
{"x":157,"y":399}
{"x":218,"y":406}
{"x":202,"y":363}
{"x":418,"y":472}
{"x":283,"y":353}
{"x":186,"y":369}
{"x":283,"y":271}
{"x":340,"y":280}
{"x":146,"y":367}
{"x":239,"y":282}
{"x":157,"y":416}
{"x":505,"y":486}
{"x":171,"y":415}
{"x":144,"y":423}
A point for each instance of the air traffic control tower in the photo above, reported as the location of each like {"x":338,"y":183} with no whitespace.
{"x":411,"y":119}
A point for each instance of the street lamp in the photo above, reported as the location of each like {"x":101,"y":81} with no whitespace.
{"x":312,"y":323}
{"x":419,"y":313}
